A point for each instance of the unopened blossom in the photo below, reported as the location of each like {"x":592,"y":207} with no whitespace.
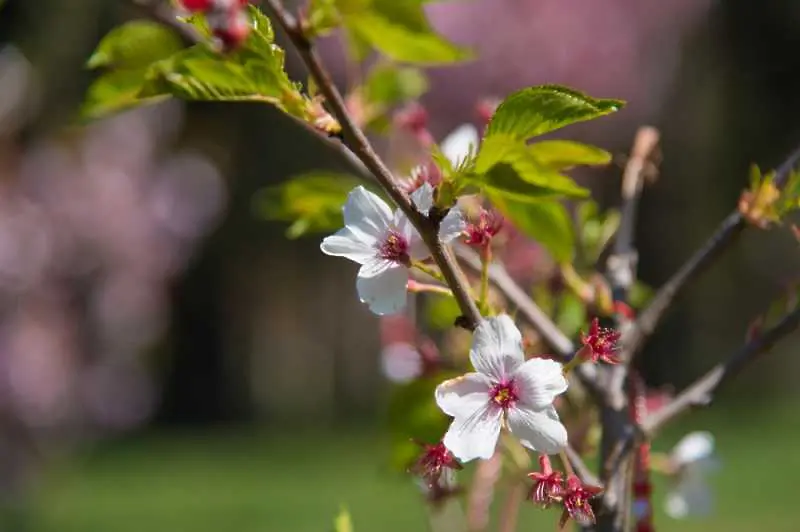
{"x":599,"y":344}
{"x":434,"y":461}
{"x":481,"y":232}
{"x":505,"y":391}
{"x":385,"y":244}
{"x":576,"y":502}
{"x":460,"y":143}
{"x":548,"y":485}
{"x":456,"y":147}
{"x":691,"y":460}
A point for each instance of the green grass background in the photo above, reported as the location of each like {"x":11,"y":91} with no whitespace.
{"x":248,"y":481}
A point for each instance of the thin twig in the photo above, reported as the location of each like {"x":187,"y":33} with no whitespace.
{"x":356,"y":141}
{"x":622,"y":261}
{"x":580,"y":467}
{"x":702,"y":391}
{"x":621,"y":268}
{"x":725,"y":234}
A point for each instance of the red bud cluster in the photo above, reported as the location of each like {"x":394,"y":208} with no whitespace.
{"x":227,"y":19}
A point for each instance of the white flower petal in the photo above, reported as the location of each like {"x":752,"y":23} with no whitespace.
{"x":452,"y":226}
{"x":474,"y":436}
{"x":366,"y":213}
{"x":463,"y":396}
{"x":422,"y":198}
{"x":457,"y":144}
{"x":375,"y":266}
{"x":691,"y":497}
{"x":416,"y":247}
{"x":346,"y":243}
{"x":496,"y":348}
{"x":539,"y":381}
{"x":693,"y":447}
{"x":385,"y":293}
{"x":540,"y":431}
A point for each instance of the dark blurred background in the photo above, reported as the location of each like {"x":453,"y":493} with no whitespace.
{"x":166,"y":357}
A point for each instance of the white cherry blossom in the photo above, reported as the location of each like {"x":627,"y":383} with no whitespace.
{"x":692,"y":459}
{"x":384,"y":244}
{"x":504,"y":391}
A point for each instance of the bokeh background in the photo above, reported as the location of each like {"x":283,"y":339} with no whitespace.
{"x":169,"y":361}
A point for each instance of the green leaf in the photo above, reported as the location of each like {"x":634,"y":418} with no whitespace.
{"x":312,"y":202}
{"x":507,"y":166}
{"x":402,"y":43}
{"x":389,"y":84}
{"x":538,"y":110}
{"x":564,"y":154}
{"x":597,"y":229}
{"x":547,"y":222}
{"x":399,"y":30}
{"x":197,"y":73}
{"x":114,"y":92}
{"x":323,"y":17}
{"x":135,"y":45}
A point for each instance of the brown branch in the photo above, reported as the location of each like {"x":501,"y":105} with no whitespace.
{"x":725,"y":234}
{"x":622,"y":261}
{"x":702,"y":391}
{"x":356,"y":141}
{"x":580,"y":467}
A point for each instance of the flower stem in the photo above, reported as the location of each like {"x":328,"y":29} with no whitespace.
{"x":428,"y":270}
{"x":417,"y":287}
{"x":566,"y":463}
{"x":486,"y":259}
{"x":574,"y":362}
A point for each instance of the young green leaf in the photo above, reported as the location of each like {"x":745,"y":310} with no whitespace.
{"x":399,"y":30}
{"x":113,"y":92}
{"x":402,"y":43}
{"x":197,"y":73}
{"x":322,"y":17}
{"x":564,"y":154}
{"x":538,"y":110}
{"x":134,"y":45}
{"x":312,"y":202}
{"x":547,"y":222}
{"x":507,"y":166}
{"x":388,"y":84}
{"x":126,"y":52}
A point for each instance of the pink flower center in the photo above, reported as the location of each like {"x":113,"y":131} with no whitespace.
{"x":394,"y":248}
{"x":504,"y":394}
